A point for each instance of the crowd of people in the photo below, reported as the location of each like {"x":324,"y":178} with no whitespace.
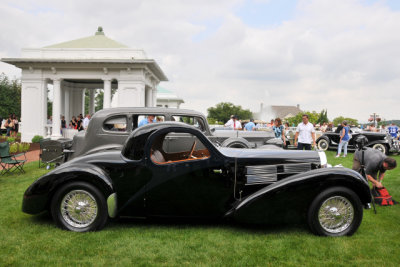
{"x":11,"y":124}
{"x":79,"y":122}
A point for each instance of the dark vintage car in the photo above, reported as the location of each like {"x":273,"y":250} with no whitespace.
{"x":376,"y":140}
{"x":151,"y":178}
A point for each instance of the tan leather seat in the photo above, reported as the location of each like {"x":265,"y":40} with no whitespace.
{"x":157,"y":156}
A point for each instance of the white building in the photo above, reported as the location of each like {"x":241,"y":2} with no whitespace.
{"x":95,"y":62}
{"x":168,"y":99}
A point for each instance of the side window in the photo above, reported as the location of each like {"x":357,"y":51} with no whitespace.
{"x":115,"y":124}
{"x":194,"y":121}
{"x":177,"y":147}
{"x":141,"y":120}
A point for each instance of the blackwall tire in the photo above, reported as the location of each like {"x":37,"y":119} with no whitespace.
{"x":335,"y":211}
{"x":79,"y":207}
{"x":381,"y":147}
{"x":323,"y":144}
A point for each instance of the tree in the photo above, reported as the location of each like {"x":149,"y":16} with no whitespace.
{"x":339,"y":120}
{"x":10,"y":96}
{"x":323,"y":117}
{"x":99,"y":98}
{"x":222,"y":112}
{"x":312,"y":117}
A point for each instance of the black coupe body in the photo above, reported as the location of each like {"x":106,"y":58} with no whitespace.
{"x":380,"y":141}
{"x":151,"y":178}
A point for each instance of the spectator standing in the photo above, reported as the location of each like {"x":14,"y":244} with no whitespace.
{"x":79,"y":123}
{"x":73,"y":123}
{"x":144,"y":121}
{"x":324,"y":127}
{"x":250,"y":126}
{"x":234,"y":123}
{"x":86,"y":121}
{"x":305,"y":134}
{"x":16,"y":126}
{"x":279,"y":130}
{"x":344,"y":139}
{"x":393,"y":130}
{"x":9,"y":125}
{"x":63,"y":123}
{"x":375,"y":162}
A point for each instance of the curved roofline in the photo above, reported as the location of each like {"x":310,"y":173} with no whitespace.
{"x":155,"y":110}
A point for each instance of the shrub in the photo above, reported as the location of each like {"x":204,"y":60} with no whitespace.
{"x":23,"y":147}
{"x":14,"y":148}
{"x":18,"y":134}
{"x":11,"y":139}
{"x":37,"y":138}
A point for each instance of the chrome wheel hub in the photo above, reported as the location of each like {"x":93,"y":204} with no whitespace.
{"x":336,"y":214}
{"x":79,"y":208}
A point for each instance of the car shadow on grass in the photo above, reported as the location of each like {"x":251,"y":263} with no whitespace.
{"x":168,"y":223}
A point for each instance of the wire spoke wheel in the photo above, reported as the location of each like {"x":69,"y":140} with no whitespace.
{"x":79,"y":208}
{"x":336,"y":214}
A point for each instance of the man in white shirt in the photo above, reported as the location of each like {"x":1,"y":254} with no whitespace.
{"x":305,"y":134}
{"x":234,"y":123}
{"x":86,"y":121}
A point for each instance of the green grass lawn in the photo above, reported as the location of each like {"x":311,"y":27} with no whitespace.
{"x":35,"y":240}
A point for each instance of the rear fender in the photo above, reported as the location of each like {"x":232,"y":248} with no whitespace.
{"x":289,"y":199}
{"x":39,"y":194}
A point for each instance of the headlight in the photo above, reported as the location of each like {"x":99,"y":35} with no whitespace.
{"x":323,"y":159}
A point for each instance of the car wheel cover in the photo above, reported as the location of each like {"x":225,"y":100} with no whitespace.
{"x":79,"y":208}
{"x":379,"y":147}
{"x":336,"y":214}
{"x":323,"y":144}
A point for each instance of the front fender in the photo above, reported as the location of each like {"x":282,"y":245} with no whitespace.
{"x":383,"y":142}
{"x":38,"y":195}
{"x":290,"y":198}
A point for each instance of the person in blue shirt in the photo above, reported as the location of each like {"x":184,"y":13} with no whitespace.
{"x":279,"y":130}
{"x":344,"y":139}
{"x":393,"y":130}
{"x":250,"y":126}
{"x":149,"y":119}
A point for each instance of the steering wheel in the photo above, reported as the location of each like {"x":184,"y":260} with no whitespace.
{"x":192,"y":150}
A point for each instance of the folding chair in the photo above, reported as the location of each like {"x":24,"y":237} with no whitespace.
{"x":10,"y":163}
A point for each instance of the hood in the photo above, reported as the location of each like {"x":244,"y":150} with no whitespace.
{"x":275,"y":155}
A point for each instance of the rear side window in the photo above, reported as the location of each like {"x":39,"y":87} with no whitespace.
{"x":115,"y":124}
{"x":141,"y":120}
{"x":194,"y":121}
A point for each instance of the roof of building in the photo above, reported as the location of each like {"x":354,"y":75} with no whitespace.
{"x":165,"y":94}
{"x":284,"y":111}
{"x":99,"y":40}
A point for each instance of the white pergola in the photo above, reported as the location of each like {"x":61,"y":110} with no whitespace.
{"x":95,"y":62}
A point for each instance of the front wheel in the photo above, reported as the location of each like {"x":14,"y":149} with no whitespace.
{"x":381,"y":148}
{"x":336,"y":211}
{"x":79,"y":207}
{"x":323,"y":144}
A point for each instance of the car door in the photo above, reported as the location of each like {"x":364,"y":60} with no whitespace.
{"x":183,"y":186}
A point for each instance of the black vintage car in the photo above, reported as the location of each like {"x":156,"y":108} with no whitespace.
{"x":150,"y":177}
{"x":380,"y":141}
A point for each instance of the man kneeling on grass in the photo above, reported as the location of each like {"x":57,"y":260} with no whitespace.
{"x":374,"y":161}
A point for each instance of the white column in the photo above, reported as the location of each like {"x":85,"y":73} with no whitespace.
{"x":154,"y":94}
{"x":66,"y":105}
{"x":56,"y":108}
{"x":83,"y":102}
{"x":44,"y":104}
{"x":107,"y":93}
{"x":149,"y":97}
{"x":91,"y":101}
{"x":62,"y":102}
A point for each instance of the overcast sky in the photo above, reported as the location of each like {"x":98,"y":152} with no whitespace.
{"x":342,"y":55}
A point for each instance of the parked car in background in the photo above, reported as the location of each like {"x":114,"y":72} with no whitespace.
{"x":376,"y":140}
{"x":109,"y":128}
{"x":173,"y":170}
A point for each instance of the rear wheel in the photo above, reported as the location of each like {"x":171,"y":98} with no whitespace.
{"x":323,"y":144}
{"x":79,"y":207}
{"x":336,"y":211}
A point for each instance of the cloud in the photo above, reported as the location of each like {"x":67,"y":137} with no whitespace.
{"x":340,"y":55}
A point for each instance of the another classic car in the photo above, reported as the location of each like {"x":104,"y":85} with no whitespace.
{"x":109,"y":128}
{"x":380,"y":141}
{"x":150,"y":177}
